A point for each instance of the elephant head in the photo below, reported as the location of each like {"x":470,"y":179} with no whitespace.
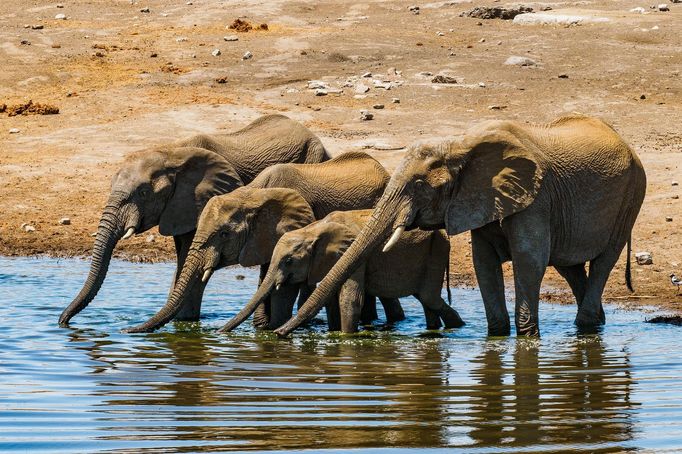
{"x":458,"y":185}
{"x":300,"y":256}
{"x":167,"y":187}
{"x":241,"y":227}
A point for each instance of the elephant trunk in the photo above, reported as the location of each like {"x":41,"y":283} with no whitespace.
{"x":391,"y":212}
{"x":190,"y":275}
{"x":264,"y":290}
{"x":112,"y":225}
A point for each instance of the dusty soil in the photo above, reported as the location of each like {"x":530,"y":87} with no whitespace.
{"x":123,"y":79}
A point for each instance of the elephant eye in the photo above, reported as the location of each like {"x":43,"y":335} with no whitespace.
{"x":419,"y":183}
{"x":144,"y":192}
{"x":288,"y":261}
{"x":224,"y":234}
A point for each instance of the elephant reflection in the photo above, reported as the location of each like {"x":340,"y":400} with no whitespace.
{"x":573,"y":397}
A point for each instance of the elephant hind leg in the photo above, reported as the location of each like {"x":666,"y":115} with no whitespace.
{"x":591,"y":312}
{"x":393,"y":310}
{"x":435,"y":305}
{"x":369,"y":310}
{"x":577,"y":279}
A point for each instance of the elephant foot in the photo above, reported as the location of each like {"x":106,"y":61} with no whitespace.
{"x":528,"y":331}
{"x":451,"y":318}
{"x":393,"y":310}
{"x":590,"y":323}
{"x":499,"y":330}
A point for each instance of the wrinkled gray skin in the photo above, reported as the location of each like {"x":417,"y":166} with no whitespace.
{"x":168,"y":186}
{"x":416,"y":266}
{"x":562,"y":194}
{"x":243,"y":227}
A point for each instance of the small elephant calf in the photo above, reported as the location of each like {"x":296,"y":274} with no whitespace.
{"x":414,"y":266}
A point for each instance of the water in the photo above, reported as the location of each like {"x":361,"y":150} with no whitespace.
{"x":186,"y":389}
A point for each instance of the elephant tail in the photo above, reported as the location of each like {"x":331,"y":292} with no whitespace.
{"x":628,"y":274}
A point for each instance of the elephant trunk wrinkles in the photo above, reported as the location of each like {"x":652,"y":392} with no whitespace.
{"x":111,"y":227}
{"x":264,"y":290}
{"x":190,"y":275}
{"x":378,"y":228}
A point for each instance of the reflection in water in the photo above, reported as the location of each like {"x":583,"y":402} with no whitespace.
{"x":186,"y":388}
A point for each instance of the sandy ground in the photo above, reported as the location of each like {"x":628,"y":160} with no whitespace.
{"x":124,"y":79}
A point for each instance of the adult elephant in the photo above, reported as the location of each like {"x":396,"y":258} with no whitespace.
{"x":243,"y":227}
{"x":562,"y":194}
{"x":169,"y":185}
{"x":415,"y":266}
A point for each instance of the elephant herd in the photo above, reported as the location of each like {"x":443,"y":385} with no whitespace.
{"x":340,"y":232}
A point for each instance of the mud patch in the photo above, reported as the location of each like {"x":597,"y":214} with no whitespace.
{"x":29,"y":108}
{"x":496,"y":12}
{"x":243,"y":26}
{"x":667,"y":319}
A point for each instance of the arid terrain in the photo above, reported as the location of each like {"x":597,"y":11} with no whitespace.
{"x":126,"y":75}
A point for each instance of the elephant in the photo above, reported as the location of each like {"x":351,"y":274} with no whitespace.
{"x":560,"y":194}
{"x":415,"y":266}
{"x":169,"y":185}
{"x":242,"y":227}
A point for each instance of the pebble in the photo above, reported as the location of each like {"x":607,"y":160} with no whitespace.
{"x":14,"y":131}
{"x":644,"y":258}
{"x":150,"y":238}
{"x":37,"y":27}
{"x":378,"y":106}
{"x":26,"y":227}
{"x":481,"y":84}
{"x":496,"y":107}
{"x":60,"y":16}
{"x":25,"y":42}
{"x":563,"y":76}
{"x":668,"y":219}
{"x":231,"y":38}
{"x":361,"y":88}
{"x":674,"y":183}
{"x":247,"y":55}
{"x":663,"y":7}
{"x":216,"y":52}
{"x":321,"y":92}
{"x":520,"y":61}
{"x":145,"y":9}
{"x":395,"y":100}
{"x":367,"y":74}
{"x":366,"y":115}
{"x":182,"y":39}
{"x":440,"y":34}
{"x":315,"y":84}
{"x":240,"y":277}
{"x":482,"y":40}
{"x":65,"y":221}
{"x":414,"y":9}
{"x":639,"y":10}
{"x":441,"y":79}
{"x":59,"y":5}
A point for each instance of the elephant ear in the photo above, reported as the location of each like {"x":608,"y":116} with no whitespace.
{"x":275,"y":212}
{"x":500,"y":177}
{"x":199,"y":175}
{"x":332,"y":241}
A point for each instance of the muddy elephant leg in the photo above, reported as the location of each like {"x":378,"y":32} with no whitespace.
{"x":191,"y":308}
{"x":369,"y":310}
{"x":591,"y":312}
{"x":393,"y":310}
{"x":577,"y":279}
{"x":488,"y":268}
{"x":351,"y":300}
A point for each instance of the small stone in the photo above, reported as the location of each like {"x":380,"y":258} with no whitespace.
{"x":231,"y":38}
{"x":181,"y":39}
{"x":315,"y":84}
{"x":668,"y":219}
{"x":366,"y":115}
{"x":25,"y":42}
{"x":321,"y":92}
{"x":189,"y":3}
{"x":496,"y":107}
{"x":440,"y":34}
{"x":378,"y":106}
{"x":65,"y":221}
{"x":482,"y":40}
{"x":14,"y":131}
{"x":37,"y":27}
{"x":520,"y":61}
{"x":644,"y":258}
{"x":563,"y":76}
{"x":26,"y":227}
{"x":663,"y":7}
{"x":367,"y":74}
{"x":221,"y":80}
{"x":56,"y":46}
{"x":361,"y":88}
{"x":216,"y":52}
{"x":642,"y":96}
{"x":153,"y":55}
{"x":481,"y":84}
{"x":240,"y":277}
{"x":674,"y":183}
{"x":99,"y":54}
{"x":59,"y":5}
{"x":60,"y":16}
{"x":247,"y":55}
{"x":145,"y":9}
{"x":150,"y":238}
{"x":441,"y":79}
{"x":675,"y":197}
{"x":639,"y":10}
{"x":395,"y":100}
{"x":414,"y":9}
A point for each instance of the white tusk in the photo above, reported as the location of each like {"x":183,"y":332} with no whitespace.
{"x":394,"y":238}
{"x":130,"y":232}
{"x":207,"y":275}
{"x":277,"y":286}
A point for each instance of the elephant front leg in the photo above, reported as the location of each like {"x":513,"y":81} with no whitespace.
{"x":369,"y":310}
{"x":393,"y":310}
{"x":282,"y":305}
{"x":191,"y":308}
{"x":488,"y":268}
{"x":351,"y":300}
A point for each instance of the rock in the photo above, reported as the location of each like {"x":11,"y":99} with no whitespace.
{"x":59,"y":5}
{"x":65,"y":221}
{"x":563,"y":76}
{"x":556,"y":19}
{"x":425,"y":74}
{"x":221,"y":80}
{"x":150,"y":238}
{"x":414,"y":9}
{"x":367,"y":74}
{"x":153,"y":55}
{"x":496,"y":107}
{"x":674,"y":183}
{"x":26,"y":227}
{"x":181,"y":39}
{"x":321,"y":92}
{"x":663,"y":7}
{"x":639,"y":10}
{"x":395,"y":100}
{"x":440,"y":34}
{"x":366,"y":115}
{"x":644,"y":258}
{"x":675,"y":197}
{"x":247,"y":55}
{"x":361,"y":88}
{"x":37,"y":27}
{"x":481,"y":84}
{"x":56,"y":46}
{"x":442,"y":79}
{"x":60,"y":16}
{"x":315,"y":84}
{"x":520,"y":61}
{"x":378,"y":106}
{"x":496,"y":12}
{"x":240,"y":277}
{"x":14,"y":131}
{"x":668,"y":219}
{"x":231,"y":38}
{"x":642,"y":96}
{"x":25,"y":42}
{"x":216,"y":52}
{"x":145,"y":9}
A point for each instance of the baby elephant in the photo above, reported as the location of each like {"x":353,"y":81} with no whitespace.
{"x":414,"y":266}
